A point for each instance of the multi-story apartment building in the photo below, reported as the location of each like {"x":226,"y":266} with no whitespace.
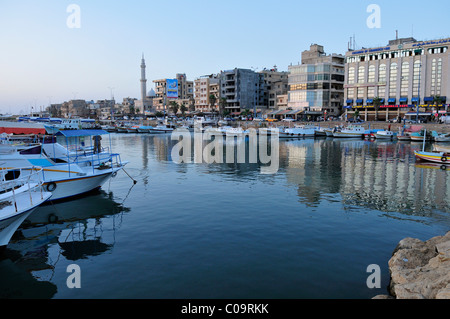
{"x":204,"y":87}
{"x":185,"y":92}
{"x":275,"y":83}
{"x":406,"y":76}
{"x":242,"y":89}
{"x":316,"y":86}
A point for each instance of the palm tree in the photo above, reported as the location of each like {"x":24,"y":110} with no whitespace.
{"x":174,"y":107}
{"x":376,"y":105}
{"x":212,"y":101}
{"x":436,"y":100}
{"x":222,"y":105}
{"x":183,"y":109}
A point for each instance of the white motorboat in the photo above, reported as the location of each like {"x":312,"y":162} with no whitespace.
{"x":440,"y":137}
{"x":144,"y":129}
{"x":351,"y":131}
{"x":66,"y":173}
{"x":20,"y":194}
{"x":161,"y":128}
{"x":321,"y":131}
{"x":384,"y":135}
{"x":234,"y":131}
{"x":299,"y":132}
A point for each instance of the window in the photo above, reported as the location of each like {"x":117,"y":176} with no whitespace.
{"x":416,"y":77}
{"x":361,"y":92}
{"x":382,"y":73}
{"x":371,"y":92}
{"x":351,"y":75}
{"x":393,"y":80}
{"x":404,"y":80}
{"x":361,"y":72}
{"x":371,"y":78}
{"x":350,"y":93}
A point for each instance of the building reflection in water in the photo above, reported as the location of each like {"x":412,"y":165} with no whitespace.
{"x":380,"y":175}
{"x":377,"y":175}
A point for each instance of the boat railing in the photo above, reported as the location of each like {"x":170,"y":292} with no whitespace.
{"x":19,"y":180}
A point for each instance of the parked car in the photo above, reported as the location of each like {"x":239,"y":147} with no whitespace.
{"x":353,"y":120}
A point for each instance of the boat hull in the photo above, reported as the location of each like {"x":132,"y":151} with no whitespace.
{"x":70,"y":187}
{"x":441,"y":158}
{"x":13,"y":219}
{"x":347,"y":135}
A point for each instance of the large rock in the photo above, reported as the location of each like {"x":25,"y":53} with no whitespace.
{"x":421,"y":270}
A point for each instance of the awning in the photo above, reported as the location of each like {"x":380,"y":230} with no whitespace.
{"x":283,"y":112}
{"x":415,"y":99}
{"x":349,"y":101}
{"x":369,"y":101}
{"x":76,"y":133}
{"x":294,"y":112}
{"x":403,"y":100}
{"x":420,"y":114}
{"x":359,"y":101}
{"x":428,"y":99}
{"x":391,"y":100}
{"x":22,"y":130}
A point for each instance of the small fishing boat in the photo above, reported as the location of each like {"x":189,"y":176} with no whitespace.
{"x":420,"y":136}
{"x":441,"y":157}
{"x":133,"y":129}
{"x":299,"y":132}
{"x":144,"y":129}
{"x":67,"y":171}
{"x":20,"y":194}
{"x":351,"y":131}
{"x":435,"y":157}
{"x":440,"y":137}
{"x":384,"y":135}
{"x":122,"y":129}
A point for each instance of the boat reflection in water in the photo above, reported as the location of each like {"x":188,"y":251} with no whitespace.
{"x":69,"y":230}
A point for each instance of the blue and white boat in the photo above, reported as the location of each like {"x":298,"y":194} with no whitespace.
{"x":67,"y":171}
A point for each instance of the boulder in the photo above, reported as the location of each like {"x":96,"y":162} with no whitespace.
{"x":421,"y":270}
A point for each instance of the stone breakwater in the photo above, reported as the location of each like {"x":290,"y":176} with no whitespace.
{"x":420,"y":270}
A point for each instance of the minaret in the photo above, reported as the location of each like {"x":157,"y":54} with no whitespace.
{"x":143,"y":81}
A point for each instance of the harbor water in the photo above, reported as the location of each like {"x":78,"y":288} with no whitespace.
{"x":226,"y":231}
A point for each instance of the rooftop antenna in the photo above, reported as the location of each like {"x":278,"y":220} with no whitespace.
{"x":396,"y":34}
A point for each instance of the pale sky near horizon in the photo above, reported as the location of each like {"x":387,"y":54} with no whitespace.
{"x":43,"y":61}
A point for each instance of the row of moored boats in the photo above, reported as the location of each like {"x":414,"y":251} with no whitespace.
{"x":33,"y":172}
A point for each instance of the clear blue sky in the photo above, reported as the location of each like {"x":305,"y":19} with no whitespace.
{"x":42,"y":60}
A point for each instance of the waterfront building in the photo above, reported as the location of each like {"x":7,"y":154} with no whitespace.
{"x":185,"y":93}
{"x":316,"y":86}
{"x":242,"y":89}
{"x":407,"y":77}
{"x":206,"y":86}
{"x":275,"y":84}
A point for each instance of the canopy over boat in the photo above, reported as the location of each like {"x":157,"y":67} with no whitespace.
{"x":76,"y":133}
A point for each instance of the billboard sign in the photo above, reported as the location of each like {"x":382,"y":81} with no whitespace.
{"x":172,"y":88}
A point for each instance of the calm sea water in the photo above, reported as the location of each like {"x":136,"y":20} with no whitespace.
{"x":227,"y":231}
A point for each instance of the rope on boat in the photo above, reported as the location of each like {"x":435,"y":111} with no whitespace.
{"x":134,"y":181}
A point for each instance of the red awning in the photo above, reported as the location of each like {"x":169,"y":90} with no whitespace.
{"x":21,"y":130}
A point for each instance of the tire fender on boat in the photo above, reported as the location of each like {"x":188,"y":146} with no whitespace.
{"x":51,"y":186}
{"x":444,"y":159}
